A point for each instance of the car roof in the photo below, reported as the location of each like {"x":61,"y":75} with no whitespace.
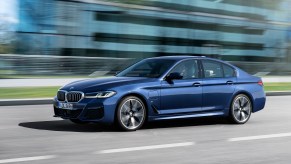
{"x":180,"y":57}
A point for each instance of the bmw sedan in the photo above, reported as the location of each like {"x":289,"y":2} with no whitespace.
{"x":163,"y":88}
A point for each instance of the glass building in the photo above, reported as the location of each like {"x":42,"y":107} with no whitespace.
{"x":233,"y":30}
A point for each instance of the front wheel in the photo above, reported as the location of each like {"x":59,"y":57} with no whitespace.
{"x":131,"y":113}
{"x":241,"y":109}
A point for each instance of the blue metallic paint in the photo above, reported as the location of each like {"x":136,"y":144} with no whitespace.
{"x":181,"y":99}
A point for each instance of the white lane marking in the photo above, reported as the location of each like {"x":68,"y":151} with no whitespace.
{"x":145,"y":148}
{"x":260,"y":137}
{"x":24,"y":159}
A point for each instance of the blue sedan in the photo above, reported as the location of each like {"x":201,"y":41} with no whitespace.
{"x":163,"y":88}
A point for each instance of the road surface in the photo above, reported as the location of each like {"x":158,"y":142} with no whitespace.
{"x":29,"y":134}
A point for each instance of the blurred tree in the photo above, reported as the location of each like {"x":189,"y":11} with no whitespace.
{"x":128,"y":1}
{"x":6,"y":38}
{"x":6,"y":48}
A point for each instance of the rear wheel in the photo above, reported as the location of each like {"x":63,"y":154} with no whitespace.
{"x":77,"y":121}
{"x":131,"y":113}
{"x":241,"y":109}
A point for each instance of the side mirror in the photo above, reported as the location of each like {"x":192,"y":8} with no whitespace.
{"x":173,"y":76}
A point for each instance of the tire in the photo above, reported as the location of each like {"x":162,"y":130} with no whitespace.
{"x":241,"y":109}
{"x":131,"y":113}
{"x":77,"y":121}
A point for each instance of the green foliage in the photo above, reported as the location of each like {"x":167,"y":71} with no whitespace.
{"x":277,"y":86}
{"x":28,"y":92}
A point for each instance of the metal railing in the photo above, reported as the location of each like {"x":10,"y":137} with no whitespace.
{"x":43,"y":65}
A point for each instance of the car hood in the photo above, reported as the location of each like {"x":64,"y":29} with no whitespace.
{"x":99,"y":84}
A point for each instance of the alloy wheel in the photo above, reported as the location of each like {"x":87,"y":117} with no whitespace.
{"x":241,"y":109}
{"x":132,"y":113}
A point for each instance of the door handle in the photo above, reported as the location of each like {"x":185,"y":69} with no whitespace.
{"x":196,"y":84}
{"x":229,"y":82}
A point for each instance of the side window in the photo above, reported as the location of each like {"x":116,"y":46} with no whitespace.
{"x":228,"y":71}
{"x":188,"y":69}
{"x":212,"y":69}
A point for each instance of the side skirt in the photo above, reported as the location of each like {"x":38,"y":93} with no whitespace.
{"x":168,"y":117}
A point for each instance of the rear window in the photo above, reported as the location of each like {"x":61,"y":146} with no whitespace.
{"x":212,"y":69}
{"x":228,"y":71}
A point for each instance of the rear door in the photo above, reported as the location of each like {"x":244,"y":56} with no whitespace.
{"x":218,"y":85}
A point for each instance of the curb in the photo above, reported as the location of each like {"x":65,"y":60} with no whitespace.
{"x":46,"y":101}
{"x":15,"y":102}
{"x":279,"y":93}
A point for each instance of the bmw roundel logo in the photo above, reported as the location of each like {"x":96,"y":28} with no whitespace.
{"x":71,"y":88}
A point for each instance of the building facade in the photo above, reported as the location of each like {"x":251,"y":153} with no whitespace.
{"x":234,"y":30}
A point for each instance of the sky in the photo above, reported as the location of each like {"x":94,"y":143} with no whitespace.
{"x":8,"y":11}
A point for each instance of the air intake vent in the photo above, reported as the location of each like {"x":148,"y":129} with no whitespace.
{"x":61,"y":95}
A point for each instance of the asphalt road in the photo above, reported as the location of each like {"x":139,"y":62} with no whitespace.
{"x":29,"y":134}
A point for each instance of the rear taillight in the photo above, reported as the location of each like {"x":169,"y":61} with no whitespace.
{"x":261,"y":83}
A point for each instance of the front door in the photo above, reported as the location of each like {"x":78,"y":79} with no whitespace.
{"x":182,"y":95}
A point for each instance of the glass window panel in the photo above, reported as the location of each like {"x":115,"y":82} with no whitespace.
{"x":212,"y":69}
{"x":188,"y":69}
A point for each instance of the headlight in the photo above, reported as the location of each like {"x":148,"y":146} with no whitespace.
{"x":101,"y":94}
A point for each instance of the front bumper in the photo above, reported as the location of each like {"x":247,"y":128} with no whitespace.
{"x":88,"y":109}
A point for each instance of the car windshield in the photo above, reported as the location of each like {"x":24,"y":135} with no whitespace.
{"x":152,"y":68}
